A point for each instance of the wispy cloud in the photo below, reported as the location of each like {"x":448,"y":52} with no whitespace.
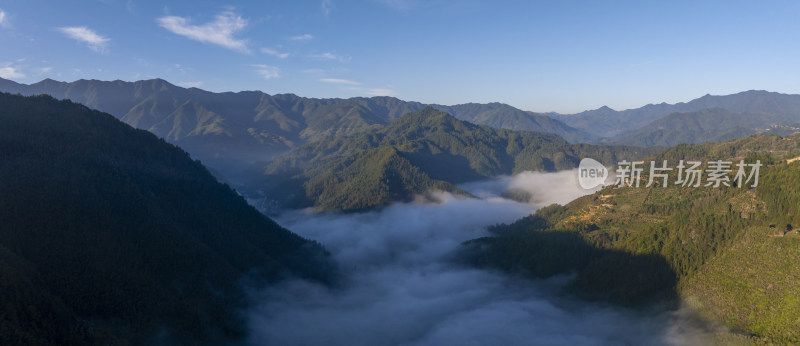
{"x":178,"y":68}
{"x":275,"y":53}
{"x":3,"y":19}
{"x":83,"y":34}
{"x":349,"y":84}
{"x":372,"y":91}
{"x":43,"y":70}
{"x":304,"y":37}
{"x":326,"y":6}
{"x":339,"y":81}
{"x":195,"y":84}
{"x":220,"y":31}
{"x":379,"y":92}
{"x":8,"y":71}
{"x":330,"y":56}
{"x":268,"y":72}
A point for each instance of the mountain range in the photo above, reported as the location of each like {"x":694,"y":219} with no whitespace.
{"x":423,"y":150}
{"x":706,"y":125}
{"x":112,"y":235}
{"x":229,"y":128}
{"x":772,"y":108}
{"x":315,"y":143}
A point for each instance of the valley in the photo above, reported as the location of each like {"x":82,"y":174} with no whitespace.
{"x":383,"y":199}
{"x":399,"y":172}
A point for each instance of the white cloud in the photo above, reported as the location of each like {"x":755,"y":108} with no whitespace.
{"x":43,"y":70}
{"x":178,"y":68}
{"x":339,"y":81}
{"x":304,"y":37}
{"x":275,"y":53}
{"x":83,"y":34}
{"x":379,"y":92}
{"x":220,"y":32}
{"x":196,"y":84}
{"x":398,"y":262}
{"x":3,"y":19}
{"x":8,"y":71}
{"x":330,"y":56}
{"x":349,"y":84}
{"x":326,"y":7}
{"x":372,"y":91}
{"x":268,"y":72}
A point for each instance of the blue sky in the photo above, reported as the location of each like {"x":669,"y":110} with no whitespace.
{"x":564,"y":56}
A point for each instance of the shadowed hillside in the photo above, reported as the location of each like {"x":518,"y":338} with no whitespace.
{"x":110,"y":235}
{"x":733,"y":251}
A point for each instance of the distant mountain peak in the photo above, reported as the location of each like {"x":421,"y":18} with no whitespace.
{"x":47,"y":82}
{"x":759,"y":92}
{"x":606,"y":109}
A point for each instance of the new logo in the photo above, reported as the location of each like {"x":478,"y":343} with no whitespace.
{"x":591,"y":173}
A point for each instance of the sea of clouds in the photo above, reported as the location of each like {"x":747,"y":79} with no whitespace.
{"x":402,"y":288}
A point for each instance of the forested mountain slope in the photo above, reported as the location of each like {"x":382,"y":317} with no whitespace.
{"x":228,"y":129}
{"x":436,"y":151}
{"x":110,"y":235}
{"x":725,"y":251}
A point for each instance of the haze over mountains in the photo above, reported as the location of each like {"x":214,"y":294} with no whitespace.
{"x":399,"y":172}
{"x":253,"y":126}
{"x":772,"y":108}
{"x":116,"y":235}
{"x":372,"y":154}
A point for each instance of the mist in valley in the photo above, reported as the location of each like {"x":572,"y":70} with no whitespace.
{"x":402,"y":287}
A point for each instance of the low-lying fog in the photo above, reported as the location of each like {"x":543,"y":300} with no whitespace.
{"x":400,"y":289}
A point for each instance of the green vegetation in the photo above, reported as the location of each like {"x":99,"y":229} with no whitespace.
{"x":707,"y":125}
{"x":372,"y":177}
{"x":110,"y":235}
{"x":723,"y":251}
{"x":429,"y":149}
{"x":229,"y":130}
{"x":503,"y":116}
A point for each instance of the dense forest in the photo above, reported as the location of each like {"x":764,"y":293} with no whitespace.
{"x":731,"y":252}
{"x":436,"y":149}
{"x":109,"y":235}
{"x":227,"y":130}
